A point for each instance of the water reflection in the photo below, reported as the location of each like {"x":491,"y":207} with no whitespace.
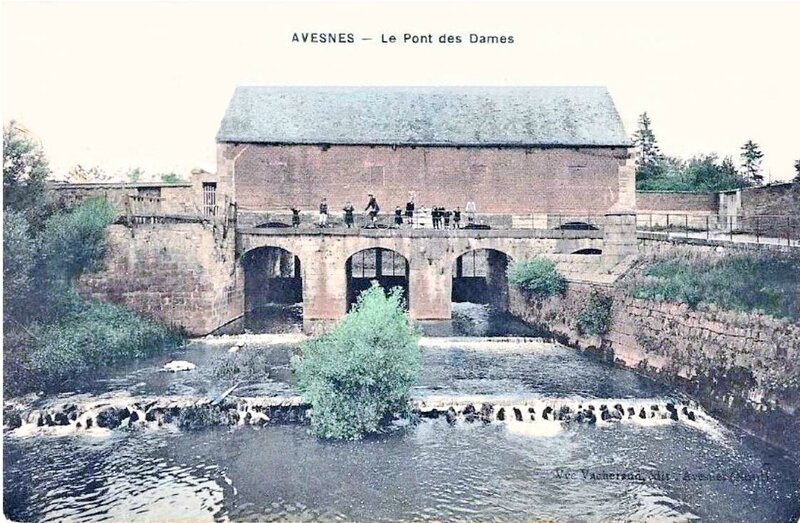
{"x":430,"y":471}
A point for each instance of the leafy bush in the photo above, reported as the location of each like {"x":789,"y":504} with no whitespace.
{"x":746,"y":281}
{"x":19,"y":255}
{"x":90,"y":336}
{"x":360,"y":373}
{"x":538,"y":276}
{"x":75,"y":242}
{"x":50,"y":333}
{"x":595,"y":318}
{"x":40,"y":269}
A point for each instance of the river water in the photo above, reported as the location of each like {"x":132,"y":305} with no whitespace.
{"x":634,"y":470}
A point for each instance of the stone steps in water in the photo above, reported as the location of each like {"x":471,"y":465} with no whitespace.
{"x":191,"y":412}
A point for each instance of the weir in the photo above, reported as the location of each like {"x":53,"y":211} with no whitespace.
{"x":70,"y":416}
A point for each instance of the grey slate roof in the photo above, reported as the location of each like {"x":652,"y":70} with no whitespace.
{"x":468,"y":116}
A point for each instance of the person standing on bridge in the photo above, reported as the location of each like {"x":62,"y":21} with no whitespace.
{"x":295,"y":216}
{"x":457,"y":218}
{"x":410,"y":210}
{"x":348,"y":214}
{"x":372,"y":208}
{"x":471,"y":210}
{"x":323,"y":213}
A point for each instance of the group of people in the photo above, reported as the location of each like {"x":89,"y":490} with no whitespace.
{"x":440,"y":217}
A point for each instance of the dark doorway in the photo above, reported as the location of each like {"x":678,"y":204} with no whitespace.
{"x":479,"y":276}
{"x":273,"y":289}
{"x":387,"y":267}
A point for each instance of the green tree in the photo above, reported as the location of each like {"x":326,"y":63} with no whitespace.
{"x":647,"y":150}
{"x":797,"y":171}
{"x":171,"y":178}
{"x":134,"y":175}
{"x":25,"y":173}
{"x":19,"y":258}
{"x":751,"y":162}
{"x":360,"y":374}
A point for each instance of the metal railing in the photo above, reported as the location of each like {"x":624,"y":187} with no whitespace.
{"x":480,"y":221}
{"x":744,"y":228}
{"x":143,"y":209}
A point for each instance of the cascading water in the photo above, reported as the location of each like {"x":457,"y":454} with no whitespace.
{"x":509,"y":428}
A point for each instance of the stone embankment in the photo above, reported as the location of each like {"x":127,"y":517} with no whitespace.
{"x":743,"y":367}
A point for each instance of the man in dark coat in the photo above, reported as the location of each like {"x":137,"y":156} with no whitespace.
{"x":410,"y":211}
{"x":373,"y":208}
{"x":348,"y":214}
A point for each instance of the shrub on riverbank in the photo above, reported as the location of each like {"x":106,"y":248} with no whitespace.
{"x":360,"y":374}
{"x":595,"y":317}
{"x":537,"y":276}
{"x":90,"y":336}
{"x":50,"y":334}
{"x":767,"y":282}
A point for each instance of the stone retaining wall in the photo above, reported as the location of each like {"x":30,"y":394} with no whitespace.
{"x":676,"y":202}
{"x":741,"y":366}
{"x":179,"y":273}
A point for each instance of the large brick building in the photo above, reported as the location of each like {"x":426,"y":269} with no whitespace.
{"x":535,"y":151}
{"x":552,"y":150}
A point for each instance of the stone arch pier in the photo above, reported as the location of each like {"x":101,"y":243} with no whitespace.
{"x":425,"y":262}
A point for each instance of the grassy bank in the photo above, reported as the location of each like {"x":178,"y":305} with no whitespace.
{"x":748,"y":281}
{"x":50,"y":334}
{"x":90,"y":336}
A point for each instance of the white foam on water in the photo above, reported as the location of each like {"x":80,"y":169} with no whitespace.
{"x":534,"y":429}
{"x":491,"y":344}
{"x":252,"y":339}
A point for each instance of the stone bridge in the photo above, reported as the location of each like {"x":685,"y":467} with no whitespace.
{"x":202,"y":275}
{"x":431,"y":259}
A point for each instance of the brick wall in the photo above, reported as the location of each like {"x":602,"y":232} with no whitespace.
{"x":176,"y":273}
{"x":503,"y":181}
{"x":677,"y":202}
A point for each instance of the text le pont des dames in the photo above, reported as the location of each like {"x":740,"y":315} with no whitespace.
{"x":404,"y":38}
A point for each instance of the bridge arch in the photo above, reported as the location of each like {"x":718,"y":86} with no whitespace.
{"x":479,"y":276}
{"x":273,"y":283}
{"x":386,"y":266}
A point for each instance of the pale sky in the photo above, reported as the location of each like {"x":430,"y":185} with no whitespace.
{"x":128,"y":84}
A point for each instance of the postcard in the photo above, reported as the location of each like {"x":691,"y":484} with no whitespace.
{"x":401,"y":261}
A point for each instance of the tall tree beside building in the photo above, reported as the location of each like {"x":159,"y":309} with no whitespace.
{"x":648,"y":152}
{"x":134,"y":175}
{"x":796,"y":171}
{"x":25,"y":172}
{"x":751,"y":162}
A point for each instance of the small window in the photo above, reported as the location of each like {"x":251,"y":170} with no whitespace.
{"x":210,"y":198}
